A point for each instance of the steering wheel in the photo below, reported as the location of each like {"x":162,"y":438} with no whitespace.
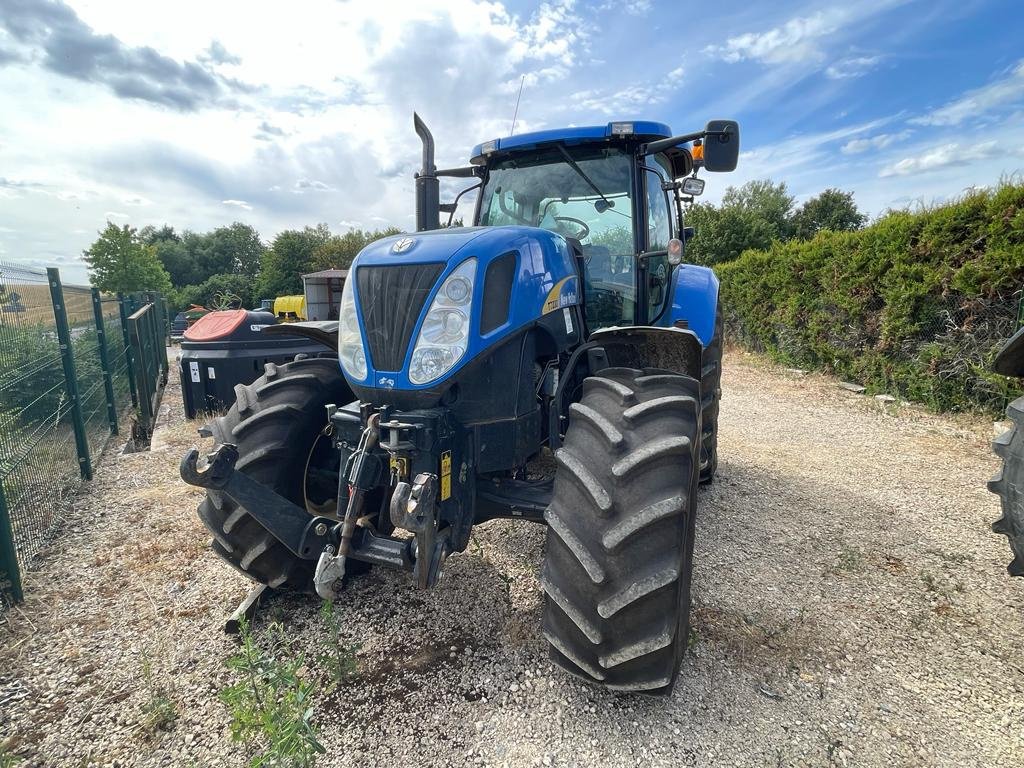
{"x":584,"y":229}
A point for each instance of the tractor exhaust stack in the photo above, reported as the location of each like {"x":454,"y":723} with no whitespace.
{"x":428,"y":192}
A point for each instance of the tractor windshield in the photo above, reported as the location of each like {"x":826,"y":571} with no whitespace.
{"x":589,"y":199}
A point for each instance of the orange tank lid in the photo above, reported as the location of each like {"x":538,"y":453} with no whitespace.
{"x":216,"y":325}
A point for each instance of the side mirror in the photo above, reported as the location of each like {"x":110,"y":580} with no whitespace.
{"x":721,"y":145}
{"x":688,"y":233}
{"x":693,"y":186}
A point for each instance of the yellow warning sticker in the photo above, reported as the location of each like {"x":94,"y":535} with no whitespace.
{"x":446,"y":475}
{"x":400,"y":467}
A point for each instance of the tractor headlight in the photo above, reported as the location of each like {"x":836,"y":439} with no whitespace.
{"x":444,"y":334}
{"x":350,"y":340}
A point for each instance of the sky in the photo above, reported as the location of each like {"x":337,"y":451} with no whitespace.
{"x":198,"y":113}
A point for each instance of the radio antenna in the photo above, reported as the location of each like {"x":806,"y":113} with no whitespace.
{"x":515,"y":114}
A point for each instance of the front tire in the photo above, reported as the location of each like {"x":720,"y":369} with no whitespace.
{"x":275,"y":423}
{"x":1009,"y":484}
{"x":619,"y":551}
{"x":711,"y":397}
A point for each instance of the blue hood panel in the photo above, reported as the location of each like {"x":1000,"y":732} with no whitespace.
{"x":426,"y":247}
{"x":545,"y":281}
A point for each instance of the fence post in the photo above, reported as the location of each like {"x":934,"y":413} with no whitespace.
{"x":10,"y":573}
{"x":108,"y":382}
{"x":138,"y":328}
{"x":129,"y":365}
{"x":67,"y":355}
{"x":165,"y":336}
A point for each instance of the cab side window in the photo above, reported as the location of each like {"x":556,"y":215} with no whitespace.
{"x":659,"y":218}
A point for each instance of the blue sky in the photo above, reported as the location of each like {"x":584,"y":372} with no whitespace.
{"x":198,"y":114}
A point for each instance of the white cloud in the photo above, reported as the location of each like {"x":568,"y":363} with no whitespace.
{"x":880,"y":141}
{"x":311,"y":185}
{"x":854,"y":66}
{"x":944,"y":156}
{"x":794,"y":41}
{"x":1006,"y":92}
{"x":116,"y":215}
{"x":238,"y":203}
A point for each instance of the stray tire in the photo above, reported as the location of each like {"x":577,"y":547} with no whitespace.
{"x":1009,"y":484}
{"x":711,"y":396}
{"x":620,"y":535}
{"x":275,"y":422}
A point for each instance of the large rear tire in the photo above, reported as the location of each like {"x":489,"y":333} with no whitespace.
{"x":620,"y":530}
{"x":711,"y":396}
{"x":1009,"y":484}
{"x":275,"y":422}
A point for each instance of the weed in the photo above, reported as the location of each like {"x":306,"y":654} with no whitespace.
{"x":940,"y":585}
{"x":957,"y":558}
{"x":339,"y":660}
{"x":7,"y":759}
{"x":158,"y":713}
{"x":271,"y":705}
{"x":693,"y":639}
{"x":849,"y":559}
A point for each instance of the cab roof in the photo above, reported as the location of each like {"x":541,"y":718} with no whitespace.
{"x":644,"y":130}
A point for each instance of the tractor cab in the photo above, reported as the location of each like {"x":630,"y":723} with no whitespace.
{"x":590,"y":186}
{"x":614,"y":191}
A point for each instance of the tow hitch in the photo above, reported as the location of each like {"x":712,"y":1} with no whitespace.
{"x":413,"y":506}
{"x":362,"y":477}
{"x":305,"y":536}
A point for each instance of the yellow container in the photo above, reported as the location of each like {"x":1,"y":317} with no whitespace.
{"x":290,"y":309}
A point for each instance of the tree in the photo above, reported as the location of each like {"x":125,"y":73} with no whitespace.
{"x":340,"y":250}
{"x":751,"y":216}
{"x":236,"y":248}
{"x":120,"y":261}
{"x":290,"y":256}
{"x":192,"y":258}
{"x":217,"y":291}
{"x":150,"y":235}
{"x":833,"y":209}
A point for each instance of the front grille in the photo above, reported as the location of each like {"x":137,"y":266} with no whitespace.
{"x":391,"y":299}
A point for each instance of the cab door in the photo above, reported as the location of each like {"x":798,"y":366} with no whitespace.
{"x":658,"y":229}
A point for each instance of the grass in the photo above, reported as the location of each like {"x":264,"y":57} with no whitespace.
{"x":339,"y":660}
{"x":158,"y":713}
{"x":271,"y":703}
{"x":848,"y":560}
{"x":8,"y":760}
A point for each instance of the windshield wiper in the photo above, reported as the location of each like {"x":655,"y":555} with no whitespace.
{"x":572,"y":164}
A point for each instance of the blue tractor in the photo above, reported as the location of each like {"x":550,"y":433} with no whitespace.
{"x":564,"y":322}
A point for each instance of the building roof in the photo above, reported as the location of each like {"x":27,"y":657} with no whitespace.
{"x":329,"y":273}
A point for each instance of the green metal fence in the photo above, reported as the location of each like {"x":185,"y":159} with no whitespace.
{"x":67,"y":385}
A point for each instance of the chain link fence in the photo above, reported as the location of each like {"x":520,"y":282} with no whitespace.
{"x":67,"y":385}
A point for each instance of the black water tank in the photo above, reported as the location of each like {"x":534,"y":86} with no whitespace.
{"x":226,"y":348}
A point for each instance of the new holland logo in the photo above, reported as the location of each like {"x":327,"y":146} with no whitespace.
{"x":403,"y":245}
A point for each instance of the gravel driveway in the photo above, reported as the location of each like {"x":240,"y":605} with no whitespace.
{"x":851,"y":608}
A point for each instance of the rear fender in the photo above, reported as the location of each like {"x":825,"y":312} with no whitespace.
{"x":1010,"y":359}
{"x":672,"y":349}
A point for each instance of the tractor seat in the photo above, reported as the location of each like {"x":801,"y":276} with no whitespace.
{"x":598,"y":259}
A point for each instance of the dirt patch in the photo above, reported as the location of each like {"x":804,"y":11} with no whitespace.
{"x":851,"y":607}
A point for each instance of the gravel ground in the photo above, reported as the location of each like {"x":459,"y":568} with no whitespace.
{"x":851,"y":608}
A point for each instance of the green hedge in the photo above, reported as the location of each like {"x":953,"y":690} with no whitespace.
{"x":915,"y":305}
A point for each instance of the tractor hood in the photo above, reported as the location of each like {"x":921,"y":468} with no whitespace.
{"x":438,"y":245}
{"x":479,"y":285}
